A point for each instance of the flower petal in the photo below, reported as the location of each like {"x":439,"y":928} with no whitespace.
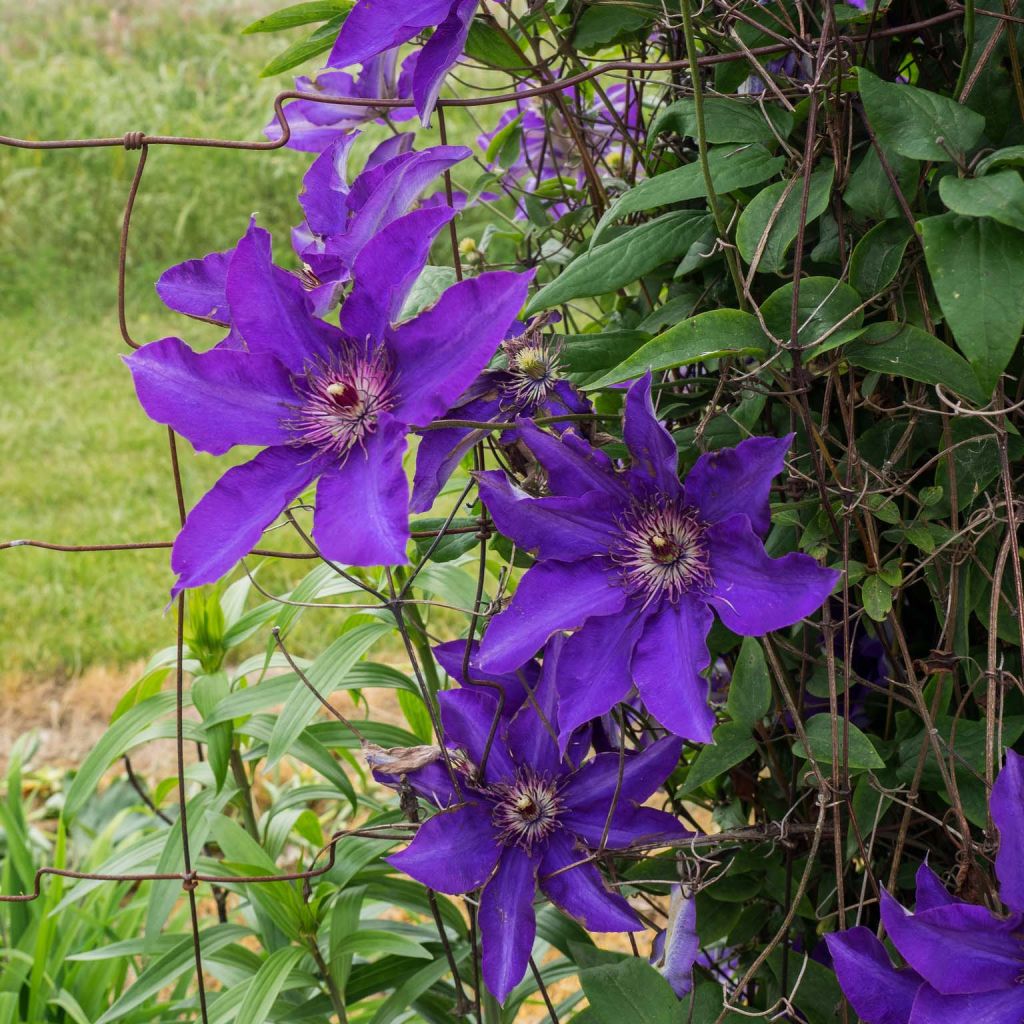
{"x":755,"y":594}
{"x":738,"y":480}
{"x":373,"y":26}
{"x":573,"y":466}
{"x":226,"y":524}
{"x":196,"y":287}
{"x":580,"y":891}
{"x":651,"y":445}
{"x":451,"y":656}
{"x":387,"y":267}
{"x":362,"y":506}
{"x":440,"y":352}
{"x":216,"y":399}
{"x":629,"y":825}
{"x":507,"y":921}
{"x":595,"y":669}
{"x":468,"y":717}
{"x":682,"y":944}
{"x":270,"y":308}
{"x":325,"y":188}
{"x":878,"y":992}
{"x":438,"y":55}
{"x":564,"y":528}
{"x":453,"y":852}
{"x":1003,"y":1007}
{"x":669,"y":657}
{"x":930,"y":890}
{"x":532,"y":733}
{"x":551,"y":596}
{"x":957,"y":949}
{"x":1007,"y":804}
{"x":432,"y":782}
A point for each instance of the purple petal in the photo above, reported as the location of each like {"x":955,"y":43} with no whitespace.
{"x":669,"y":657}
{"x":551,"y":596}
{"x":451,"y":656}
{"x":1007,"y":805}
{"x":878,"y":992}
{"x":564,"y":528}
{"x":216,"y":399}
{"x":468,"y":717}
{"x":930,"y":1007}
{"x":394,"y":146}
{"x":270,"y":308}
{"x":226,"y":524}
{"x":373,"y":26}
{"x":432,"y":782}
{"x":595,"y":669}
{"x":738,"y":480}
{"x":682,"y":944}
{"x":532,"y":733}
{"x":362,"y":506}
{"x":930,"y":890}
{"x":439,"y":353}
{"x":755,"y":594}
{"x":650,"y":444}
{"x":325,"y":188}
{"x":386,"y":268}
{"x":581,"y":891}
{"x":453,"y":852}
{"x":629,"y":825}
{"x":507,"y":921}
{"x":957,"y":949}
{"x":573,"y":466}
{"x":196,"y":287}
{"x":439,"y":54}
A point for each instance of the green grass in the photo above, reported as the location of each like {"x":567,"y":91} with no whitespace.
{"x":79,"y":463}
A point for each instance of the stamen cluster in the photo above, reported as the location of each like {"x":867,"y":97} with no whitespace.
{"x":526,"y":810}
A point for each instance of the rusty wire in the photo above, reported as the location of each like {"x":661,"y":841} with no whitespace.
{"x":832,"y":786}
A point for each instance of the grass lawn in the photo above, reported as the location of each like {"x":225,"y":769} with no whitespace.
{"x":79,"y":462}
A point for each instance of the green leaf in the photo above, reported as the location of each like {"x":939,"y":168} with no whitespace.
{"x":505,"y":147}
{"x":750,"y":690}
{"x":631,"y":990}
{"x":725,"y":120}
{"x":265,"y":986}
{"x":207,"y":692}
{"x":732,"y":744}
{"x":429,"y":286}
{"x":909,"y":120}
{"x":909,"y":352}
{"x":488,"y":45}
{"x":412,"y":988}
{"x":119,"y":737}
{"x":877,"y":256}
{"x":977,"y":270}
{"x":591,"y":354}
{"x":862,"y":753}
{"x":312,"y":46}
{"x":298,"y":14}
{"x":869,"y":191}
{"x":784,"y":222}
{"x":1011,"y":156}
{"x":605,"y":24}
{"x":624,"y":259}
{"x":731,"y":168}
{"x":370,"y":942}
{"x":344,"y":920}
{"x":877,"y":597}
{"x":999,"y":196}
{"x":823,"y":303}
{"x":710,"y":335}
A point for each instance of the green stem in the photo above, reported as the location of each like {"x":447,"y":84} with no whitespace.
{"x":241,"y":777}
{"x":337,"y":1000}
{"x":965,"y":64}
{"x":702,"y":149}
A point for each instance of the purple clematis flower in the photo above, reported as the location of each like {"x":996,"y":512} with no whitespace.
{"x":963,"y":962}
{"x":527,"y":818}
{"x":327,"y":402}
{"x":637,"y":562}
{"x":314,"y":125}
{"x":677,"y":948}
{"x":531,"y":384}
{"x":374,"y":26}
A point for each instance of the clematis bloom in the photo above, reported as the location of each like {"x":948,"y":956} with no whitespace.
{"x":529,"y":818}
{"x":637,"y":562}
{"x":328,"y":402}
{"x":964,"y":963}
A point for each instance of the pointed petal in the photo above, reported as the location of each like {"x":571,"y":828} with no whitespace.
{"x":386,"y":268}
{"x":669,"y":657}
{"x":878,"y":992}
{"x":507,"y":921}
{"x":226,"y":524}
{"x":738,"y":480}
{"x":440,"y":352}
{"x":595,"y":669}
{"x":682,"y":944}
{"x":270,"y":308}
{"x":441,"y":51}
{"x":564,"y":528}
{"x":450,"y":656}
{"x":325,"y":188}
{"x":533,"y":732}
{"x":930,"y":890}
{"x":196,"y":287}
{"x":551,"y":596}
{"x":573,"y":466}
{"x":432,"y":782}
{"x":216,"y":399}
{"x":362,"y":506}
{"x":581,"y":892}
{"x":651,"y":445}
{"x":453,"y":852}
{"x":630,"y":825}
{"x":468,"y":717}
{"x":1003,"y":1007}
{"x":1007,"y":804}
{"x":373,"y":26}
{"x":755,"y":594}
{"x":957,"y":949}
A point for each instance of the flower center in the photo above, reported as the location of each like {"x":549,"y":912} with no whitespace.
{"x":342,"y":399}
{"x":526,"y":810}
{"x":533,"y":370}
{"x":662,"y":550}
